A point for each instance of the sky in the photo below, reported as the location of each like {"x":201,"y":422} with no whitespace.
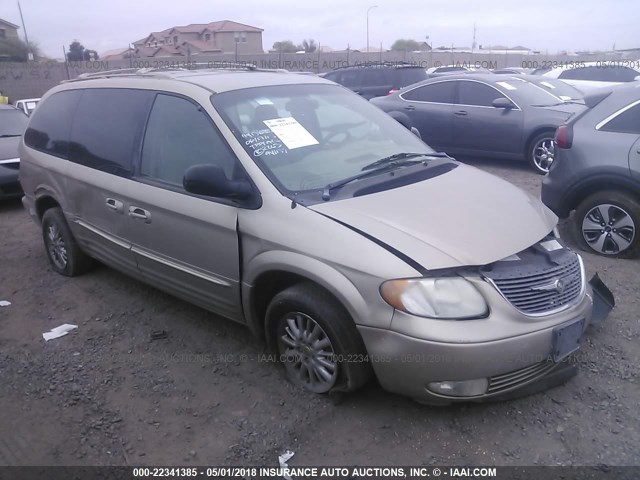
{"x":546,"y":25}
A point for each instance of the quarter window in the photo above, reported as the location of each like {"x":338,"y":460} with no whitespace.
{"x":477,"y":94}
{"x":439,"y":92}
{"x":107,"y":128}
{"x":50,"y":125}
{"x":626,"y":122}
{"x":180,"y":135}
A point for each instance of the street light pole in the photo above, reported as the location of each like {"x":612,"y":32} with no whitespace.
{"x":368,"y":10}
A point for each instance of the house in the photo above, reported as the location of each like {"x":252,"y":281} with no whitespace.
{"x":8,"y":31}
{"x":116,"y":54}
{"x":224,"y":36}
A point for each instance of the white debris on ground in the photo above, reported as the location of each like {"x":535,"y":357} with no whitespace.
{"x":60,"y":331}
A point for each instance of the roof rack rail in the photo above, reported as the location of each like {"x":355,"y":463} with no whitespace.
{"x":104,"y":73}
{"x":213,"y":65}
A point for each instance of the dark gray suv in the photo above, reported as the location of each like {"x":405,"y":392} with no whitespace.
{"x":596,"y":172}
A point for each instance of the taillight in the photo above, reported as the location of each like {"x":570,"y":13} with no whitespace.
{"x":564,"y":136}
{"x":393,"y":90}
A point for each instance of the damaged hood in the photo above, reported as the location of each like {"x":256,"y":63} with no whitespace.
{"x":464,"y":217}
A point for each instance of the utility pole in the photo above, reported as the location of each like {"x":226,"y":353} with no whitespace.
{"x":26,"y":37}
{"x":473,"y":44}
{"x":368,"y":10}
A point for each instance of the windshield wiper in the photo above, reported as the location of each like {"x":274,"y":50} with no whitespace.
{"x":384,"y":164}
{"x":12,"y":135}
{"x":398,"y":159}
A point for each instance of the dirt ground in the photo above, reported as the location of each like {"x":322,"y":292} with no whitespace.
{"x":106,"y":394}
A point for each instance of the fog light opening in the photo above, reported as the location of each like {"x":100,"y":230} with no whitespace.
{"x":464,"y":388}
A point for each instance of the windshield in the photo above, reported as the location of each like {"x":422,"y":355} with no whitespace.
{"x":560,"y":89}
{"x":305,"y":137}
{"x":527,"y":92}
{"x":12,"y":123}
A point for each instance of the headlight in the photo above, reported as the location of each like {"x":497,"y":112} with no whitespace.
{"x":446,"y":298}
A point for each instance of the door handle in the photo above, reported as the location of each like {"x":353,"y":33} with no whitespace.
{"x":409,"y":107}
{"x":114,"y":204}
{"x":141,"y":213}
{"x":461,"y":112}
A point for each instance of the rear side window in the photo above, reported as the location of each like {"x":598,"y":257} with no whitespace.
{"x":349,"y":78}
{"x":582,"y":73}
{"x":50,"y":124}
{"x":408,"y":76}
{"x":440,"y":92}
{"x":373,"y":77}
{"x":107,"y":128}
{"x":625,"y":122}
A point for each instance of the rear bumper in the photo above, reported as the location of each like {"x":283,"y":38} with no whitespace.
{"x":9,"y":183}
{"x":554,"y":194}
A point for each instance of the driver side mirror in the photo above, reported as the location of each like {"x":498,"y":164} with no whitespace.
{"x":503,"y":102}
{"x":211,"y":181}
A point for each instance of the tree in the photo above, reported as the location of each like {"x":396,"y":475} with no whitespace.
{"x":285,"y":46}
{"x":309,"y":46}
{"x":15,"y":50}
{"x":78,"y":53}
{"x":409,"y":45}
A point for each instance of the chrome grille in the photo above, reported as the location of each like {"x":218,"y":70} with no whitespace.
{"x":547,"y":289}
{"x":506,"y":381}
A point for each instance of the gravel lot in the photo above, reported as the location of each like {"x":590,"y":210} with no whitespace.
{"x":107,"y":395}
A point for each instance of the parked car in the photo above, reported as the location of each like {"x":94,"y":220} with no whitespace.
{"x":287,"y":203}
{"x":440,"y":71}
{"x":512,"y":71}
{"x":12,"y":125}
{"x":597,"y":173}
{"x":590,"y":75}
{"x":376,"y":80}
{"x":27,"y":105}
{"x":475,"y":114}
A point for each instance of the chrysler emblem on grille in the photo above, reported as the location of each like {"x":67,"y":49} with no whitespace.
{"x":559,"y":285}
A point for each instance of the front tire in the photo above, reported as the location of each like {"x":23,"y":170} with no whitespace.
{"x":317,"y":341}
{"x":606,"y":223}
{"x":63,"y":252}
{"x":541,"y":151}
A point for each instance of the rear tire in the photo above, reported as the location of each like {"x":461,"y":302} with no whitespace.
{"x":64,"y":254}
{"x":540,"y":152}
{"x":606,"y":223}
{"x":317,"y":341}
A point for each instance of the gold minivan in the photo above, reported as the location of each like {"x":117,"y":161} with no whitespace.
{"x":290,"y":204}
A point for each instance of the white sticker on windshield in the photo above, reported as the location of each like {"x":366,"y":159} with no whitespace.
{"x":507,"y":86}
{"x":263,"y":101}
{"x":292,"y":134}
{"x":31,"y":105}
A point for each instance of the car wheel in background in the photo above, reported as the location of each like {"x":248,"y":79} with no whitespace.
{"x":607,"y":223}
{"x":64,"y":254}
{"x":316,"y":340}
{"x":540,"y":152}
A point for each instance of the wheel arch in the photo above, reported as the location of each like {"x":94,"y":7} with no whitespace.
{"x":45,"y":201}
{"x":272,"y":272}
{"x":598,"y":183}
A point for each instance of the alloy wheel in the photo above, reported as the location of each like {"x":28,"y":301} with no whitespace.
{"x":543,"y":153}
{"x":309,"y":356}
{"x":608,"y":229}
{"x":56,"y":247}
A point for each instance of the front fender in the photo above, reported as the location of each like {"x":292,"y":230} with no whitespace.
{"x":363,"y":312}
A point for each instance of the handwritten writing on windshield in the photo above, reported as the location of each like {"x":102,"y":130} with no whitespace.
{"x":263,"y":142}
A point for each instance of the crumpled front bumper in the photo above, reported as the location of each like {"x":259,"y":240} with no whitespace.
{"x":514,"y":366}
